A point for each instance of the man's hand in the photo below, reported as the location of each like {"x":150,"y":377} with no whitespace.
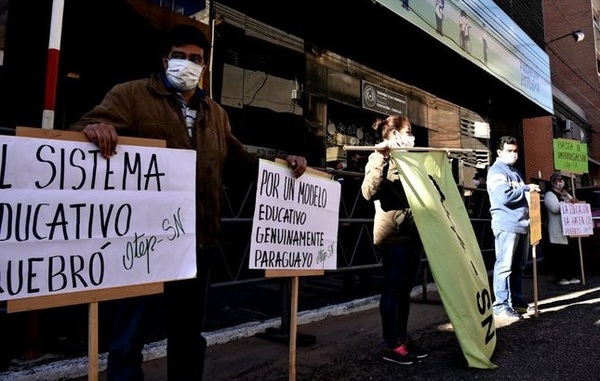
{"x":534,"y":188}
{"x":298,"y":164}
{"x":104,"y":136}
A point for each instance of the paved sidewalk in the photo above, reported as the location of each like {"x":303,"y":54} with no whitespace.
{"x":561,"y":343}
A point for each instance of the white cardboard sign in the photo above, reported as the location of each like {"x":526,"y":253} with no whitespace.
{"x":576,"y":219}
{"x":295,"y":221}
{"x":71,"y":220}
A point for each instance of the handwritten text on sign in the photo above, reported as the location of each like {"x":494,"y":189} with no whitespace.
{"x":576,"y":219}
{"x":570,"y":155}
{"x":295,"y":222}
{"x":71,"y":220}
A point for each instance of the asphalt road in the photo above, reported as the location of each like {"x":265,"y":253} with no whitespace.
{"x":561,"y":343}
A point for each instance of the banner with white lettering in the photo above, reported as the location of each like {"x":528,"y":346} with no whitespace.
{"x":452,"y":250}
{"x":71,"y":220}
{"x":295,"y":222}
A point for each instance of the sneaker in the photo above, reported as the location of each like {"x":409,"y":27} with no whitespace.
{"x":416,"y":351}
{"x":574,"y":281}
{"x":564,"y":282}
{"x":508,"y":314}
{"x":399,"y":355}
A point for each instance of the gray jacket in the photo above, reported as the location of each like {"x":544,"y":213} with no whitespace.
{"x":555,"y":234}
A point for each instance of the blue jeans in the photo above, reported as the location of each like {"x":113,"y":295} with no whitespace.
{"x":186,"y":347}
{"x":400,"y":264}
{"x":512,"y":250}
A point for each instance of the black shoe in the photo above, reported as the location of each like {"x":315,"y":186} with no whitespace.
{"x":523,"y":308}
{"x":399,"y":355}
{"x":416,"y":350}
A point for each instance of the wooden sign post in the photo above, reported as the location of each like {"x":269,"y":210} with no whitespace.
{"x":535,"y":236}
{"x":308,"y":219}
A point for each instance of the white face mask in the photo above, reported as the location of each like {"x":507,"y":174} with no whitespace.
{"x":407,"y":141}
{"x":183,"y":74}
{"x":403,"y":141}
{"x":509,"y":158}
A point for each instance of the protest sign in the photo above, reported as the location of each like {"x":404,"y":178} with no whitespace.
{"x":295,"y":223}
{"x":570,"y":155}
{"x":535,"y":218}
{"x":73,"y":221}
{"x":452,"y":251}
{"x":576,"y":219}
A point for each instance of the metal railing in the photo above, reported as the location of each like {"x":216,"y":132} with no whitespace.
{"x":355,"y":240}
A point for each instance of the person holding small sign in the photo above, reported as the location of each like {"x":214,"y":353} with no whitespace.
{"x":397,"y":238}
{"x":509,"y":209}
{"x":171,"y":106}
{"x":561,"y":254}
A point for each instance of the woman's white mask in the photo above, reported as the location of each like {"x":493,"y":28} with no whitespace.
{"x":407,"y":141}
{"x":183,"y":74}
{"x":404,"y":141}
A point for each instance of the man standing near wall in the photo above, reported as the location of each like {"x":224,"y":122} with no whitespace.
{"x":509,"y":208}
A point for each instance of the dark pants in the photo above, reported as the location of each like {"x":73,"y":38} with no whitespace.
{"x":186,"y":347}
{"x":400,"y":264}
{"x":564,"y":260}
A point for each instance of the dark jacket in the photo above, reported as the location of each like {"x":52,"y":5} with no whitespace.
{"x":146,"y":108}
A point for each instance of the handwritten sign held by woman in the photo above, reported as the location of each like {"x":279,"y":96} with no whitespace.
{"x":576,"y":219}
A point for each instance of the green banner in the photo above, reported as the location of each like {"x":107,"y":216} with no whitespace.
{"x":452,"y":252}
{"x":570,"y":156}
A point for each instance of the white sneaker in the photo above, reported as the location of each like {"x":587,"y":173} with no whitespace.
{"x":574,"y":281}
{"x":507,"y":314}
{"x":564,"y":282}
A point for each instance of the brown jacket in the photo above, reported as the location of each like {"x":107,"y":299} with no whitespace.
{"x":389,"y":227}
{"x":146,"y":108}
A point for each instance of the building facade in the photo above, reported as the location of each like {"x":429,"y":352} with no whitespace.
{"x":305,"y":78}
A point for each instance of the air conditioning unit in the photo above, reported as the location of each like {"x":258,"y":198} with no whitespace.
{"x":567,"y":125}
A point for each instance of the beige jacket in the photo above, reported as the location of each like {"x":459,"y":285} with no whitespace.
{"x":388,"y":227}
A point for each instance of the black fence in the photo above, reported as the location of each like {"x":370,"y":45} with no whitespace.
{"x":355,"y":238}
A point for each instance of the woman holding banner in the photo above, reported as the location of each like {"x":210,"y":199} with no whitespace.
{"x":396,"y":237}
{"x":561,"y":254}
